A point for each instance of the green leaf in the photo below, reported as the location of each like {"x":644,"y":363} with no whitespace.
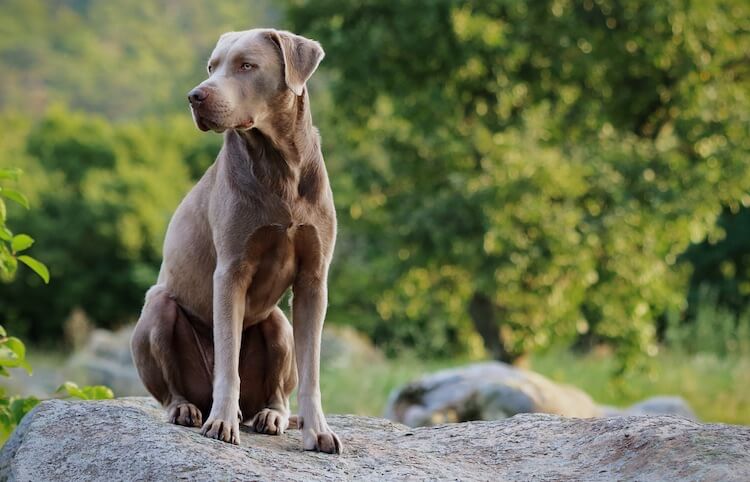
{"x":5,"y":234}
{"x":16,"y":346}
{"x":5,"y":420}
{"x":19,"y":349}
{"x":19,"y":407}
{"x":21,"y":242}
{"x":2,"y":331}
{"x":72,"y":390}
{"x":92,"y":392}
{"x":14,"y":195}
{"x":3,"y":212}
{"x":98,"y":392}
{"x":8,"y":263}
{"x":37,"y":266}
{"x":12,"y":173}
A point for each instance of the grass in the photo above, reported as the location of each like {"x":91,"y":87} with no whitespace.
{"x":363,"y":387}
{"x":717,"y":389}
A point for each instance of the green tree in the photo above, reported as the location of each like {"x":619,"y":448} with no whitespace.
{"x":120,"y":59}
{"x":105,"y":194}
{"x":531,"y":170}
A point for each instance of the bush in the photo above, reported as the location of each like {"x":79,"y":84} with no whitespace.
{"x":12,"y":350}
{"x":105,"y":194}
{"x":555,"y":157}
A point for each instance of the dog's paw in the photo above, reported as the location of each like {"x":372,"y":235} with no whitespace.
{"x":269,"y":421}
{"x":222,"y":429}
{"x":320,"y":439}
{"x":185,"y":413}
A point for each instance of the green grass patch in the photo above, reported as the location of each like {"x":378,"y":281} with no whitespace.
{"x":718,"y":389}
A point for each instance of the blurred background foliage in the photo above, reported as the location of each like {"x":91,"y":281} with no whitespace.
{"x":509,"y":176}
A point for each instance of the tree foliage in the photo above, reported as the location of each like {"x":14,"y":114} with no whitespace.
{"x":105,"y":194}
{"x":508,"y":175}
{"x":119,"y":59}
{"x":533,"y":170}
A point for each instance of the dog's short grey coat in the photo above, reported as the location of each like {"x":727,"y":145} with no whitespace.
{"x":211,"y":338}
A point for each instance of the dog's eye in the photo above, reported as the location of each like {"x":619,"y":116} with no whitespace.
{"x":246,"y":66}
{"x":210,"y":69}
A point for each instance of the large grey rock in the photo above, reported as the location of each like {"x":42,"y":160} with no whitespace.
{"x":484,"y":391}
{"x":127,"y":439}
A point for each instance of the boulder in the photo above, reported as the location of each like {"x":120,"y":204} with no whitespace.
{"x":105,"y":359}
{"x":128,"y":439}
{"x":343,"y":346}
{"x":485,"y":391}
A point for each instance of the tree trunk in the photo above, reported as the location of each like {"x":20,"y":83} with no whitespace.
{"x":484,"y":315}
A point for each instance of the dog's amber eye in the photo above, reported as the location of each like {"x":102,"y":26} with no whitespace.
{"x":246,"y":66}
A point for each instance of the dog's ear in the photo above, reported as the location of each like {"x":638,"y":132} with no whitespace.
{"x":301,"y":58}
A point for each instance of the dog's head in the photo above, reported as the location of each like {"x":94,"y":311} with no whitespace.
{"x":251,"y":75}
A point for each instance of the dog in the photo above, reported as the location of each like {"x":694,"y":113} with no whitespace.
{"x":211,"y":338}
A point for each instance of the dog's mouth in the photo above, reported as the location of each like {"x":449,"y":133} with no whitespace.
{"x":205,"y":124}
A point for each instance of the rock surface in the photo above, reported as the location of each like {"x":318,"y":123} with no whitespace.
{"x":127,"y":439}
{"x":484,"y":391}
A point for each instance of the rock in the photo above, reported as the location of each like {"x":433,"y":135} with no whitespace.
{"x":484,"y":391}
{"x":106,"y":360}
{"x":128,"y":439}
{"x":343,"y":346}
{"x":660,"y":405}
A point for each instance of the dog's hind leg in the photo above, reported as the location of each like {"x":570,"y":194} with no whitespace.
{"x":172,"y":359}
{"x":279,"y":375}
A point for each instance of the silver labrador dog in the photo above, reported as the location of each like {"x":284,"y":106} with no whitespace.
{"x":211,"y":338}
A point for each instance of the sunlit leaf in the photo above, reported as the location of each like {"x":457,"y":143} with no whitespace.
{"x":5,"y":234}
{"x":21,"y":242}
{"x":15,"y":196}
{"x":72,"y":389}
{"x":37,"y":266}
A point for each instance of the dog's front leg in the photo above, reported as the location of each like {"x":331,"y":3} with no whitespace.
{"x":308,"y":311}
{"x":230,"y":288}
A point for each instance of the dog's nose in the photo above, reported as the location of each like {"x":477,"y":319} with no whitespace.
{"x":197,"y":95}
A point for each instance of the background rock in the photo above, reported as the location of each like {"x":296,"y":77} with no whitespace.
{"x":662,"y":405}
{"x":484,"y":391}
{"x":105,"y":359}
{"x":127,"y":439}
{"x":342,"y":346}
{"x":495,"y":390}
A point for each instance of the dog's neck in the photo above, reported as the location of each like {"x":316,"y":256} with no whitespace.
{"x":289,"y":131}
{"x":282,"y":154}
